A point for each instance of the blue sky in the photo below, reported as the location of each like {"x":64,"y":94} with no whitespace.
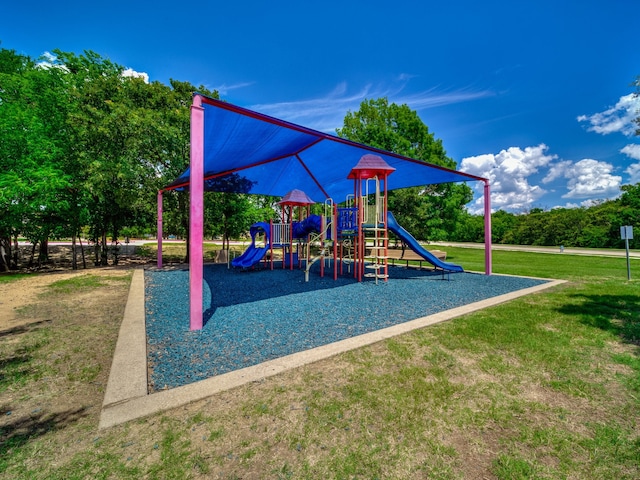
{"x":534,"y":95}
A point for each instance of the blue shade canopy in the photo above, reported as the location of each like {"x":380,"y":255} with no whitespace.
{"x":248,"y":152}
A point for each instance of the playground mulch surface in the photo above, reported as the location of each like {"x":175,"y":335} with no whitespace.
{"x":259,"y":315}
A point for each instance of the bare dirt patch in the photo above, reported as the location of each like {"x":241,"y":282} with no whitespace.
{"x":26,"y":291}
{"x":56,"y":345}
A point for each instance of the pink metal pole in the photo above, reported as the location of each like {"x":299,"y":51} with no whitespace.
{"x":487,"y":228}
{"x":159,"y":228}
{"x":271,"y":241}
{"x":334,"y":235}
{"x":196,"y":213}
{"x":322,"y":243}
{"x":361,"y":248}
{"x":291,"y":217}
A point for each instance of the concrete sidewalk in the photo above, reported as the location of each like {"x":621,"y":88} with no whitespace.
{"x":596,"y":252}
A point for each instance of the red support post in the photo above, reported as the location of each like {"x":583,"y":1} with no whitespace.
{"x":271,"y":242}
{"x":196,"y":213}
{"x":487,"y":228}
{"x":159,"y":234}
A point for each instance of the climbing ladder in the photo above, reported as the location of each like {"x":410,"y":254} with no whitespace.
{"x":375,"y":233}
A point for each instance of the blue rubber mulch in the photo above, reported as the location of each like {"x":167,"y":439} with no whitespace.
{"x":255,"y":316}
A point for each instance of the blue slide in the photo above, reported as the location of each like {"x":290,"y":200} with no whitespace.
{"x":253,"y":254}
{"x":311,"y":224}
{"x":407,"y":238}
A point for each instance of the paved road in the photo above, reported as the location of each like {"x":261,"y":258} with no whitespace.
{"x":601,"y":252}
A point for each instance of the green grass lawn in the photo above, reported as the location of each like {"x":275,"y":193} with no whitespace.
{"x":567,"y":267}
{"x":543,"y":387}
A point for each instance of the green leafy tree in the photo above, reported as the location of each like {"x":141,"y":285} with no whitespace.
{"x":469,"y":228}
{"x":33,"y":147}
{"x":132,"y":138}
{"x":501,"y":223}
{"x":429,"y":212}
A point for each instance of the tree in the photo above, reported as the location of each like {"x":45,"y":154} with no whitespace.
{"x":429,"y":212}
{"x":33,"y":182}
{"x":131,"y":138}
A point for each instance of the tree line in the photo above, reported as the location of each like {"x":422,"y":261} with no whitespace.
{"x":85,"y":146}
{"x":84,"y":149}
{"x":597,"y":226}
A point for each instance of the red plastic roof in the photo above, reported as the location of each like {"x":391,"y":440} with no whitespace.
{"x":296,"y":198}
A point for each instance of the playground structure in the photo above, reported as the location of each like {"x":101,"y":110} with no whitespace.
{"x":356,"y":234}
{"x":269,"y":156}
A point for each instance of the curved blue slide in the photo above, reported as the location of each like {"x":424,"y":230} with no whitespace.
{"x":311,"y":224}
{"x":253,"y":254}
{"x":407,"y":238}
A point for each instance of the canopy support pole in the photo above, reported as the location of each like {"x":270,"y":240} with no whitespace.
{"x":487,"y":228}
{"x":196,"y":213}
{"x":159,"y":234}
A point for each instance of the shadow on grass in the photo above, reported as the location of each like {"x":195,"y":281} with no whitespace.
{"x":618,"y":314}
{"x":10,"y":332}
{"x":18,"y":431}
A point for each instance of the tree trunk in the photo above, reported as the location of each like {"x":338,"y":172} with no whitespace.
{"x":43,"y":253}
{"x":5,"y":254}
{"x":33,"y":254}
{"x":15,"y":252}
{"x":74,"y":254}
{"x":114,"y":241}
{"x":84,"y":260}
{"x":96,"y":251}
{"x":103,"y":254}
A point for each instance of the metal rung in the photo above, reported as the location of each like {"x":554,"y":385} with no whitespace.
{"x":376,"y":275}
{"x":374,"y":266}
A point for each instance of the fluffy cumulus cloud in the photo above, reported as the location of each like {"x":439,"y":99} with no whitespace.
{"x":130,"y":72}
{"x":618,"y":118}
{"x":508,"y":173}
{"x":633,"y":170}
{"x":586,"y":179}
{"x":632,"y":151}
{"x":49,"y":60}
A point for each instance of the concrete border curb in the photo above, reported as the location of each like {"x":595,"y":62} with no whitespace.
{"x":128,"y":375}
{"x":126,"y":397}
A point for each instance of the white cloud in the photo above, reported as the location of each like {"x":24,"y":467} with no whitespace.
{"x":49,"y":60}
{"x":566,"y":205}
{"x":326,"y":113}
{"x":508,"y":173}
{"x":590,"y":179}
{"x":557,"y":170}
{"x":618,"y":118}
{"x":129,"y":72}
{"x":633,"y":171}
{"x":49,"y":57}
{"x":632,"y":150}
{"x":224,"y":89}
